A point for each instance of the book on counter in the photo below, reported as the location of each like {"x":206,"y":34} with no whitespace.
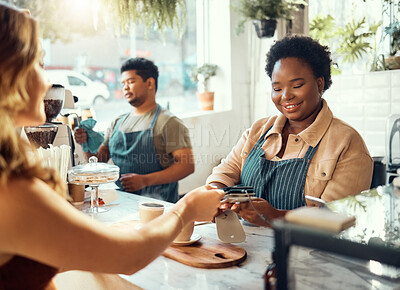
{"x":321,"y":218}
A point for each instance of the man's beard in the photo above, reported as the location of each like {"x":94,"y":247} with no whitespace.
{"x":136,"y":102}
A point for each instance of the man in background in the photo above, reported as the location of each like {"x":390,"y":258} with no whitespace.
{"x":150,"y":145}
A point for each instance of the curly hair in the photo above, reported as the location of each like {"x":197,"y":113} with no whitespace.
{"x":144,"y":68}
{"x":19,"y":51}
{"x":306,"y":49}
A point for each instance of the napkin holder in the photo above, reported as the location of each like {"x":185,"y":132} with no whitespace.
{"x":321,"y":218}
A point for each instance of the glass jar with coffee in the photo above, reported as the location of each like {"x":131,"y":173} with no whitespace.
{"x":42,"y":136}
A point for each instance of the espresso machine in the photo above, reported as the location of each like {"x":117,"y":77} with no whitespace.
{"x":54,"y":132}
{"x":392,"y":147}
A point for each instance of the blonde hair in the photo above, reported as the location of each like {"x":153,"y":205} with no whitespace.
{"x":19,"y":51}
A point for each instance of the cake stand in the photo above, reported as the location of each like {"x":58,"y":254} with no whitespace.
{"x":93,"y":174}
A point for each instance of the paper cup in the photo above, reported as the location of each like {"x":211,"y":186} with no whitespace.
{"x":150,"y":210}
{"x":186,"y":233}
{"x":77,"y":193}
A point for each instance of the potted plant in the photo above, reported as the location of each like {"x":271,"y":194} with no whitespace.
{"x":348,"y":44}
{"x":393,"y":31}
{"x":357,"y":39}
{"x":390,"y":12}
{"x":201,"y":75}
{"x":264,"y":14}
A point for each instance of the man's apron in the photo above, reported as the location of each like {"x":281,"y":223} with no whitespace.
{"x":134,"y":152}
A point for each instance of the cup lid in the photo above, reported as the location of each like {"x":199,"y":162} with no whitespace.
{"x":94,"y":167}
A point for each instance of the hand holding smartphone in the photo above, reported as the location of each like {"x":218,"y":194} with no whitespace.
{"x":236,"y":194}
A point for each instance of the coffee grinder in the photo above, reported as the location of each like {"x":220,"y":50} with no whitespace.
{"x":53,"y":132}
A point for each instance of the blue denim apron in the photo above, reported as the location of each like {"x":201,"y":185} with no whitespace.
{"x":282,"y":182}
{"x":134,"y":152}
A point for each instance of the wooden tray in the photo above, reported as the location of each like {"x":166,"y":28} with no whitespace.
{"x":207,"y":253}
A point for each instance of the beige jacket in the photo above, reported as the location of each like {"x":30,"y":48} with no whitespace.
{"x":341,"y":166}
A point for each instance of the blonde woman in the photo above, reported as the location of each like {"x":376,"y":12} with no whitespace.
{"x":39,"y":231}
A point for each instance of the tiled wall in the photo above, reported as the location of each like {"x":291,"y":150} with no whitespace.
{"x":365,"y":101}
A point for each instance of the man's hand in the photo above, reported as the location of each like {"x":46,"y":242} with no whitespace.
{"x":80,"y":136}
{"x":133,"y":182}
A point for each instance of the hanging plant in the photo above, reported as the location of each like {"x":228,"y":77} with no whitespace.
{"x":55,"y":17}
{"x":156,"y":14}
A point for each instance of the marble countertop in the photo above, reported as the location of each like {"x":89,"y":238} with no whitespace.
{"x":308,"y":269}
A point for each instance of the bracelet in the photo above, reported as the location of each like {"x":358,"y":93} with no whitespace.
{"x":180,"y":218}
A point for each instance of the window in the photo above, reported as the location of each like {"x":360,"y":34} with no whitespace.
{"x":73,"y":81}
{"x":99,"y":56}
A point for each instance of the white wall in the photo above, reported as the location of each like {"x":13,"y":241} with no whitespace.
{"x":365,"y":101}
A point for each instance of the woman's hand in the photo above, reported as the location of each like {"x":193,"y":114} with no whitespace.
{"x":201,"y":204}
{"x":246,"y":211}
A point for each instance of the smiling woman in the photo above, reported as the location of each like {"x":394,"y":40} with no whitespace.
{"x":303,"y":151}
{"x":296,"y":93}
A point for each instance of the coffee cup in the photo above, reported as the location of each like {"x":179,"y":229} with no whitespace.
{"x":185,"y":233}
{"x":77,"y":193}
{"x":150,"y":210}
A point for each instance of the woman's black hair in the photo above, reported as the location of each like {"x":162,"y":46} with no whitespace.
{"x":306,"y":49}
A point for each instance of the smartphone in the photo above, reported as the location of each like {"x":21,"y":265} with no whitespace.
{"x":238,"y":193}
{"x":238,"y":197}
{"x":239,"y":189}
{"x":316,"y":200}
